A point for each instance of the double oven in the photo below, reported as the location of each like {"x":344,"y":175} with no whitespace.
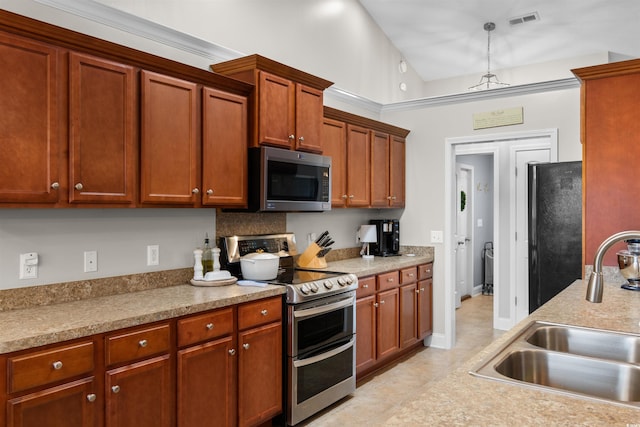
{"x":320,"y":330}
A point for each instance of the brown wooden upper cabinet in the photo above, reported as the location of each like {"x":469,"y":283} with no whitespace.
{"x":169,"y":157}
{"x":31,"y":84}
{"x":368,"y":160}
{"x":287,"y":106}
{"x":103,"y":124}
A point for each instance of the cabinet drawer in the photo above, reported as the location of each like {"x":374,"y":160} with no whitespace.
{"x":366,"y":287}
{"x":425,"y":271}
{"x":138,"y":344}
{"x":388,"y":280}
{"x":48,"y":366}
{"x":259,"y":312}
{"x":204,"y":327}
{"x":408,"y":275}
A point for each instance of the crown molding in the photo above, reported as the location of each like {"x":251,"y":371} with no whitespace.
{"x":144,"y":28}
{"x":141,"y":27}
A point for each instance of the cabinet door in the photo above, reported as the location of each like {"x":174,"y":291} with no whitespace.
{"x":67,"y":405}
{"x":169,"y":140}
{"x":425,"y":310}
{"x":408,"y":315}
{"x":366,"y":333}
{"x":309,"y":110}
{"x":224,"y":149}
{"x":387,"y":324}
{"x":102,"y":132}
{"x":259,"y":374}
{"x":140,"y":395}
{"x":380,"y":170}
{"x":29,"y":123}
{"x":207,"y":384}
{"x":397,"y":172}
{"x":358,"y":169}
{"x":334,"y":144}
{"x":276,"y":124}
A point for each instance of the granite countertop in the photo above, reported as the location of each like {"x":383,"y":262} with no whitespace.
{"x":463,"y":399}
{"x":56,"y":322}
{"x":36,"y":326}
{"x":366,"y":267}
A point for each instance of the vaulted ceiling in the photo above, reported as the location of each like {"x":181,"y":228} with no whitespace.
{"x":442,"y":39}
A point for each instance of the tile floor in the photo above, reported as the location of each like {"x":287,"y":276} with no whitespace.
{"x":374,"y":400}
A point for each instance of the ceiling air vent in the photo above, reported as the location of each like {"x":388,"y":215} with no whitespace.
{"x":529,"y":17}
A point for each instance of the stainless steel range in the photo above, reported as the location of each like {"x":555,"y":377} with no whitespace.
{"x":320,"y":331}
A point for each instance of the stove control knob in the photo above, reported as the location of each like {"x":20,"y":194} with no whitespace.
{"x":314,"y":287}
{"x":328,"y":284}
{"x":341,"y":282}
{"x":304,"y":289}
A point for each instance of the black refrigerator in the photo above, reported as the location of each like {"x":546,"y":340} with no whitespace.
{"x":555,"y":229}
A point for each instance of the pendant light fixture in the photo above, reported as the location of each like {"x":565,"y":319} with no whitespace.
{"x":489,"y":80}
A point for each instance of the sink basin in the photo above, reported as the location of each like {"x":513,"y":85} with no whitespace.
{"x":589,"y":376}
{"x":587,"y":342}
{"x":583,"y":362}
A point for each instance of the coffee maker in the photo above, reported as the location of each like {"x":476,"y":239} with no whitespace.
{"x":388,"y":233}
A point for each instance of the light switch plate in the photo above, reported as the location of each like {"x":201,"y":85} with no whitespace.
{"x":90,"y":261}
{"x":437,"y":236}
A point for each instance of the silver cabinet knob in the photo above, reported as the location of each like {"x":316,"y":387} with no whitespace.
{"x":245,"y":346}
{"x":142,"y":343}
{"x":55,"y":185}
{"x":91,"y":397}
{"x":79,"y":186}
{"x":209,"y":326}
{"x":115,"y":389}
{"x":388,"y":197}
{"x":390,"y":279}
{"x":209,"y":192}
{"x":351,"y":196}
{"x":57,"y":365}
{"x":292,"y":136}
{"x":393,"y":197}
{"x":382,"y":302}
{"x":232,"y":351}
{"x":264,"y":312}
{"x":417,"y":291}
{"x":301,"y":139}
{"x":344,"y":196}
{"x":421,"y":289}
{"x":195,"y":190}
{"x":375,"y":304}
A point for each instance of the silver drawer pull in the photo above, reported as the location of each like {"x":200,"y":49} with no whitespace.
{"x":365,"y":286}
{"x":57,"y":365}
{"x":245,"y":346}
{"x":142,"y":343}
{"x":55,"y":185}
{"x":382,"y":302}
{"x":390,"y":279}
{"x":411,"y":274}
{"x":421,"y":289}
{"x":91,"y":397}
{"x":264,"y":312}
{"x":115,"y":389}
{"x":232,"y":351}
{"x":209,"y":326}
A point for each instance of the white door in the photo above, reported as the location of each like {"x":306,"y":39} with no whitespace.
{"x":464,"y":217}
{"x":523,"y":159}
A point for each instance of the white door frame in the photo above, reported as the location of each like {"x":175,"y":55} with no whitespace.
{"x":454,"y":146}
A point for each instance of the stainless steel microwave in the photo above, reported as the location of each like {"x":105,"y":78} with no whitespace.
{"x":288,"y":181}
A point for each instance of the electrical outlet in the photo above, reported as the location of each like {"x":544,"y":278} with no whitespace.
{"x":153,"y":255}
{"x":29,"y":265}
{"x":90,"y":261}
{"x":436,"y":236}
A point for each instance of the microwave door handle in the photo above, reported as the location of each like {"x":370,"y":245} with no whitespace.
{"x":323,"y":356}
{"x":301,"y":314}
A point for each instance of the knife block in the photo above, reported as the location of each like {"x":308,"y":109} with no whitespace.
{"x":310,"y":259}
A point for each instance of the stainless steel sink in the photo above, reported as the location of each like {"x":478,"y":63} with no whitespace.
{"x":587,"y":342}
{"x":584,"y":362}
{"x":594,"y":377}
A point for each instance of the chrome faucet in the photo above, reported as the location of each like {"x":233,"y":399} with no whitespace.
{"x":594,"y":288}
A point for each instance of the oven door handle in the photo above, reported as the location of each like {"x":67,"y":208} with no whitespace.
{"x":301,"y":314}
{"x":323,"y":356}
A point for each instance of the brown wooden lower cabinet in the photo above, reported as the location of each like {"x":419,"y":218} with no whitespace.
{"x":140,"y":395}
{"x":217,"y":368}
{"x":393,"y":316}
{"x":68,"y":405}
